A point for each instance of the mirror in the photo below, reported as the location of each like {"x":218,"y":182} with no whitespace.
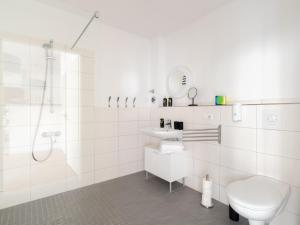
{"x":178,"y":82}
{"x":192,"y":93}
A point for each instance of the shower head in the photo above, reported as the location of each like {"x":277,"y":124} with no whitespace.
{"x":48,"y":45}
{"x":49,"y":50}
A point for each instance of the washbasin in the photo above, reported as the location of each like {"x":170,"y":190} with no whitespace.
{"x":163,"y":133}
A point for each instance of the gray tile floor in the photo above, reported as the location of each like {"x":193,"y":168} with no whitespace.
{"x":130,"y":200}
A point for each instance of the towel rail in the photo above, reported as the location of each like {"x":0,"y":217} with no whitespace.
{"x":189,"y":133}
{"x":207,"y":134}
{"x":204,"y":129}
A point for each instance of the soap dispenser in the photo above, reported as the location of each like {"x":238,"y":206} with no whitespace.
{"x":237,"y":112}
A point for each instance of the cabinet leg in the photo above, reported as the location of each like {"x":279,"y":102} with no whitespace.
{"x":147,"y":175}
{"x":170,"y":187}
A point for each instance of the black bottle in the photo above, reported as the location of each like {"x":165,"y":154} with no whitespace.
{"x":170,"y":102}
{"x":162,"y":123}
{"x":165,"y":102}
{"x":178,"y":125}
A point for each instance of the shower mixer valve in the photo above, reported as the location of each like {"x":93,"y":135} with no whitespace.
{"x":51,"y":134}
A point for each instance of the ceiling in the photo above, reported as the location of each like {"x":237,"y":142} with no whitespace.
{"x":149,"y":18}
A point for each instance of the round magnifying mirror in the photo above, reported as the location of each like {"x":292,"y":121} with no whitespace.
{"x":192,"y":93}
{"x":178,"y":82}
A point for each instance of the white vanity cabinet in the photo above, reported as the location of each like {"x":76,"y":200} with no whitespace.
{"x":170,"y":167}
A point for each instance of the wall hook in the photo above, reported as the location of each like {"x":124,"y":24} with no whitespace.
{"x":109,"y":99}
{"x":118,"y":99}
{"x":126,"y":99}
{"x":134,"y":102}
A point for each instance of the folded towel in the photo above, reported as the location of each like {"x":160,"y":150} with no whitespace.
{"x":171,"y":143}
{"x":169,"y":151}
{"x":171,"y":146}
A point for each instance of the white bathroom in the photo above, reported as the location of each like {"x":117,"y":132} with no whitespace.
{"x":149,"y":112}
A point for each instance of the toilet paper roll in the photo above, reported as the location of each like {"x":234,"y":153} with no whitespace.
{"x":207,"y":201}
{"x":206,"y":193}
{"x":206,"y":184}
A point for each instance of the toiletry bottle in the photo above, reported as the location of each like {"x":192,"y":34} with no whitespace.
{"x":165,"y":102}
{"x":170,"y":102}
{"x":220,"y":100}
{"x":178,"y":125}
{"x":162,"y":123}
{"x":168,"y":124}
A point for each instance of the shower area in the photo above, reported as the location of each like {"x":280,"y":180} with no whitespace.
{"x":46,"y":96}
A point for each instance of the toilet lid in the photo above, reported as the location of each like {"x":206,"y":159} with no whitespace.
{"x":257,"y":193}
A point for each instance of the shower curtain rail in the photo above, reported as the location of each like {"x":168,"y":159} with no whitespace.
{"x":95,"y":16}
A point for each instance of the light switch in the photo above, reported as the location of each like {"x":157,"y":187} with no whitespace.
{"x":272,"y":118}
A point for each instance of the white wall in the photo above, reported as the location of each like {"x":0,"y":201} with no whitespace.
{"x":122,"y":59}
{"x":255,"y":145}
{"x":247,"y":50}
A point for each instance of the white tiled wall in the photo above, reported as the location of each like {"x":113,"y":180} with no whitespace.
{"x":99,"y":144}
{"x":265,"y":142}
{"x":96,"y":144}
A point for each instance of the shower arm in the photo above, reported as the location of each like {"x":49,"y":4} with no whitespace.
{"x":95,"y":15}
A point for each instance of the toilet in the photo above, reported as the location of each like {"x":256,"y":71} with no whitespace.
{"x":259,"y":199}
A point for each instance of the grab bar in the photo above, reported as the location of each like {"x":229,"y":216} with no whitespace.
{"x":207,"y":134}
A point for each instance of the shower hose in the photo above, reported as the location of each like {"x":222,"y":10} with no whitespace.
{"x":39,"y":121}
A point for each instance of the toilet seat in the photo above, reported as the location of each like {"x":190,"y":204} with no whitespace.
{"x":258,"y":193}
